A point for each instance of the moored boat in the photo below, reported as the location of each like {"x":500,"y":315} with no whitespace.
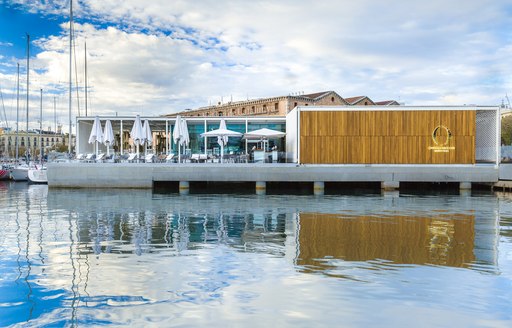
{"x":4,"y":173}
{"x":20,"y":172}
{"x":37,"y":174}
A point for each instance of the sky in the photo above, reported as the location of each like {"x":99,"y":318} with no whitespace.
{"x":159,"y":57}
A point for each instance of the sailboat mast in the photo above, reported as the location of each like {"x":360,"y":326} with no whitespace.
{"x":85,"y":78}
{"x":17,"y":112}
{"x":41,"y":129}
{"x":70,"y":67}
{"x":55,"y":115}
{"x":28,"y":71}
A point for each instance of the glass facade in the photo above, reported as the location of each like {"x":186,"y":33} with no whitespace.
{"x":236,"y":145}
{"x":196,"y":126}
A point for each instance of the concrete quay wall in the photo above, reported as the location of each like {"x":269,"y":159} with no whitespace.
{"x":142,"y":175}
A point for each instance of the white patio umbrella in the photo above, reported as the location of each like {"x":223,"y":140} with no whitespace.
{"x":222,"y":141}
{"x":146,"y":130}
{"x":264,"y":134}
{"x":221,"y":133}
{"x":108,"y":136}
{"x":96,"y":133}
{"x":185,"y":140}
{"x":177,"y":135}
{"x":137,"y":134}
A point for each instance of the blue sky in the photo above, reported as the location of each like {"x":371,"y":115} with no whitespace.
{"x":157,"y":57}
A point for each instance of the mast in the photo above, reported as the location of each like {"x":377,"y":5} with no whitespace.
{"x":54,"y":116}
{"x":70,"y":67}
{"x":28,"y":70}
{"x":85,"y":53}
{"x":17,"y":113}
{"x":41,"y":129}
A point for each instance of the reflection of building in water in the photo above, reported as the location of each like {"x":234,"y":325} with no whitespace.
{"x":447,"y":239}
{"x":146,"y":231}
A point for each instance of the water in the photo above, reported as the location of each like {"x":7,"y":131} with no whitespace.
{"x":136,"y":258}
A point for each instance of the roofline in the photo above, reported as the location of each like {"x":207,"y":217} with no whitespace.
{"x":393,"y":108}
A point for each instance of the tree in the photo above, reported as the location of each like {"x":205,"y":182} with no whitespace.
{"x":506,"y":130}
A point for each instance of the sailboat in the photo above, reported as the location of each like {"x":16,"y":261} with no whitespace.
{"x":37,"y":174}
{"x":20,"y":171}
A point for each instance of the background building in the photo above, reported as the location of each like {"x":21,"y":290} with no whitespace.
{"x":280,"y":106}
{"x":29,"y":141}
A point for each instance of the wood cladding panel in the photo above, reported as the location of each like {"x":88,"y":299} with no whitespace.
{"x":387,"y":137}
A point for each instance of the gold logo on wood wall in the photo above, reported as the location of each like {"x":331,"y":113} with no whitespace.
{"x":441,"y":137}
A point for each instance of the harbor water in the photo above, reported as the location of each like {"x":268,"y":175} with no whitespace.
{"x":71,"y":258}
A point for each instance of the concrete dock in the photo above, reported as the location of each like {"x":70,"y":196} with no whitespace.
{"x":145,"y":175}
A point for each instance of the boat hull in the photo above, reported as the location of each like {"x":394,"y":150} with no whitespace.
{"x":19,"y":174}
{"x":37,"y":176}
{"x":4,"y":174}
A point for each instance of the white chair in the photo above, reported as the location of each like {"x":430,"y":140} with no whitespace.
{"x":149,"y":158}
{"x":170,"y":158}
{"x":100,"y":158}
{"x":80,"y":157}
{"x":132,"y":158}
{"x":89,"y":158}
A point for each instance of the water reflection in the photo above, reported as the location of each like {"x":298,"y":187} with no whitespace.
{"x":439,"y":240}
{"x":95,"y":257}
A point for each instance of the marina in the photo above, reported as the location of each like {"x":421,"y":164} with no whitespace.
{"x":162,"y":166}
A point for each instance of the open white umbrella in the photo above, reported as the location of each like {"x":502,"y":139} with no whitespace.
{"x":108,"y":136}
{"x":146,"y":130}
{"x":137,"y":134}
{"x":264,"y":134}
{"x":96,"y":133}
{"x":221,"y":133}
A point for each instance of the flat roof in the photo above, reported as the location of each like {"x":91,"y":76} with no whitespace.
{"x":392,"y":108}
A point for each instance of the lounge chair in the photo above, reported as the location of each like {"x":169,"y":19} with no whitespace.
{"x":100,"y":158}
{"x":79,"y":157}
{"x":89,"y":158}
{"x":198,"y":158}
{"x":149,"y":158}
{"x":132,"y":158}
{"x":170,"y":158}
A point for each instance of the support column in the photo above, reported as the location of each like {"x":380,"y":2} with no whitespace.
{"x":390,"y":185}
{"x":465,"y":186}
{"x":261,"y":187}
{"x":318,"y":188}
{"x":184,"y":187}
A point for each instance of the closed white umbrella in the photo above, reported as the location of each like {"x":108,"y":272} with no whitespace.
{"x":108,"y":136}
{"x":222,"y":141}
{"x":177,"y":135}
{"x":96,"y":133}
{"x":137,"y":134}
{"x":221,"y":133}
{"x":184,"y":131}
{"x":148,"y":136}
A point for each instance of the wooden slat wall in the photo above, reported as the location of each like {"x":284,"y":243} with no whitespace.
{"x":385,"y":137}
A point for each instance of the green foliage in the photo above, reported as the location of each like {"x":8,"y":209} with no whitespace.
{"x":506,"y":130}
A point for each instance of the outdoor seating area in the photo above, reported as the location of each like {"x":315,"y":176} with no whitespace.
{"x":256,"y":156}
{"x":217,"y":145}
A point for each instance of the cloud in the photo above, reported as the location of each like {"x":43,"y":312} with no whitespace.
{"x":159,"y":57}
